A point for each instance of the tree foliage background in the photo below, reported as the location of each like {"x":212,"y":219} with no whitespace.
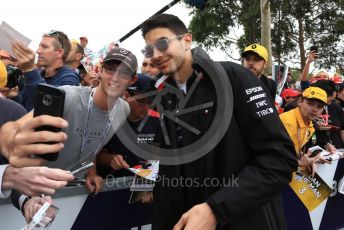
{"x":296,"y":25}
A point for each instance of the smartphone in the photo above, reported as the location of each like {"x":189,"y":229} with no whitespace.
{"x":315,"y":153}
{"x":314,"y":48}
{"x":49,"y":100}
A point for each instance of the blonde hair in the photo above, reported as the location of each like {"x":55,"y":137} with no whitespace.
{"x":323,"y":72}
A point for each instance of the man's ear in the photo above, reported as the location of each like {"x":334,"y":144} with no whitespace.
{"x":61,"y":52}
{"x":133,"y":79}
{"x":126,"y":95}
{"x":187,"y":41}
{"x":265,"y":64}
{"x":299,"y":101}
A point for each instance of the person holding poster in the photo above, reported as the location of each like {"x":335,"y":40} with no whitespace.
{"x":298,"y":123}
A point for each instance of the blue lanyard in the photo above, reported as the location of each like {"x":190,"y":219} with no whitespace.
{"x":107,"y":127}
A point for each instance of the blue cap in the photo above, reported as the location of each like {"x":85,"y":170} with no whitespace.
{"x":143,"y":84}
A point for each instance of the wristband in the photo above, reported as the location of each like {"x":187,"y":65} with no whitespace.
{"x":22,"y":201}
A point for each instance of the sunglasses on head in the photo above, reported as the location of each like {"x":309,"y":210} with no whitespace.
{"x":160,"y":44}
{"x":56,"y":34}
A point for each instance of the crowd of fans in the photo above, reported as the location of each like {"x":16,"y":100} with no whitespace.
{"x":97,"y":105}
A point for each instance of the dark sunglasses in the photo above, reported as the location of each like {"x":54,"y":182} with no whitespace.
{"x":160,"y":44}
{"x":56,"y":34}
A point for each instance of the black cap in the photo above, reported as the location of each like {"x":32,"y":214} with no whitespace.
{"x":124,"y":56}
{"x":144,"y":84}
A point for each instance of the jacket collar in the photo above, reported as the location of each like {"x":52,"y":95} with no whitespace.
{"x":300,"y":120}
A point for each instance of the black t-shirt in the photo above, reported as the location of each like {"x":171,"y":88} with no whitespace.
{"x":115,"y":146}
{"x":10,"y":111}
{"x":336,"y":119}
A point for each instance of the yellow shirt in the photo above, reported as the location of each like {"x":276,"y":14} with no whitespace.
{"x":298,"y":131}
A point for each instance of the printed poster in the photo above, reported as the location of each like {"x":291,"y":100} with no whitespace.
{"x":147,"y":169}
{"x":312,"y":191}
{"x":7,"y":35}
{"x":92,"y":63}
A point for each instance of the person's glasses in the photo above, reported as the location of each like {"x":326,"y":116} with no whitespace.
{"x":56,"y":34}
{"x":123,"y":73}
{"x":160,"y":44}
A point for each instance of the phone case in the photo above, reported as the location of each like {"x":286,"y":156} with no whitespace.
{"x":49,"y":100}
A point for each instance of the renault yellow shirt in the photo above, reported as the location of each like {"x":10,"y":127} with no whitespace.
{"x":298,"y":131}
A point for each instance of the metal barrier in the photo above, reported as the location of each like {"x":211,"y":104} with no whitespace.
{"x":108,"y":210}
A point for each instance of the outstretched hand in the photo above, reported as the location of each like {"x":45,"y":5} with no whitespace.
{"x":33,"y":181}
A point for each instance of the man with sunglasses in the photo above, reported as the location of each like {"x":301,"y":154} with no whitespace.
{"x":261,"y":163}
{"x":52,"y":53}
{"x":93,"y":116}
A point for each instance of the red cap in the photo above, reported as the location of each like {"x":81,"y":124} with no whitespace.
{"x":84,"y":38}
{"x":337,"y":79}
{"x":290,"y":92}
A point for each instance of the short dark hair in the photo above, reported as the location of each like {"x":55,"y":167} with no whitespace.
{"x":341,"y":87}
{"x":168,"y":21}
{"x":328,"y":86}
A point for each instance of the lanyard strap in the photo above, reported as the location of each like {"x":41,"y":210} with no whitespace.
{"x":300,"y":141}
{"x":86,"y":126}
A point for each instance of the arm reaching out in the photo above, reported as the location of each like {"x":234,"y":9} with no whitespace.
{"x":34,"y":181}
{"x":311,"y":57}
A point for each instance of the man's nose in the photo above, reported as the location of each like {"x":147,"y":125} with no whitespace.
{"x":250,"y":62}
{"x":115,"y":76}
{"x":38,"y":51}
{"x":157,"y":53}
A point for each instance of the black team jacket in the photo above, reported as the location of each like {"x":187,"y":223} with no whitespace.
{"x":247,"y":169}
{"x":270,"y":85}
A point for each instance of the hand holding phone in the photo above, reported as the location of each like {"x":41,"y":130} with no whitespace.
{"x":314,"y":50}
{"x":49,"y":100}
{"x":315,"y":153}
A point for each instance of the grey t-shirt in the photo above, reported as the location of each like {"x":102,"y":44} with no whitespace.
{"x":75,"y":112}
